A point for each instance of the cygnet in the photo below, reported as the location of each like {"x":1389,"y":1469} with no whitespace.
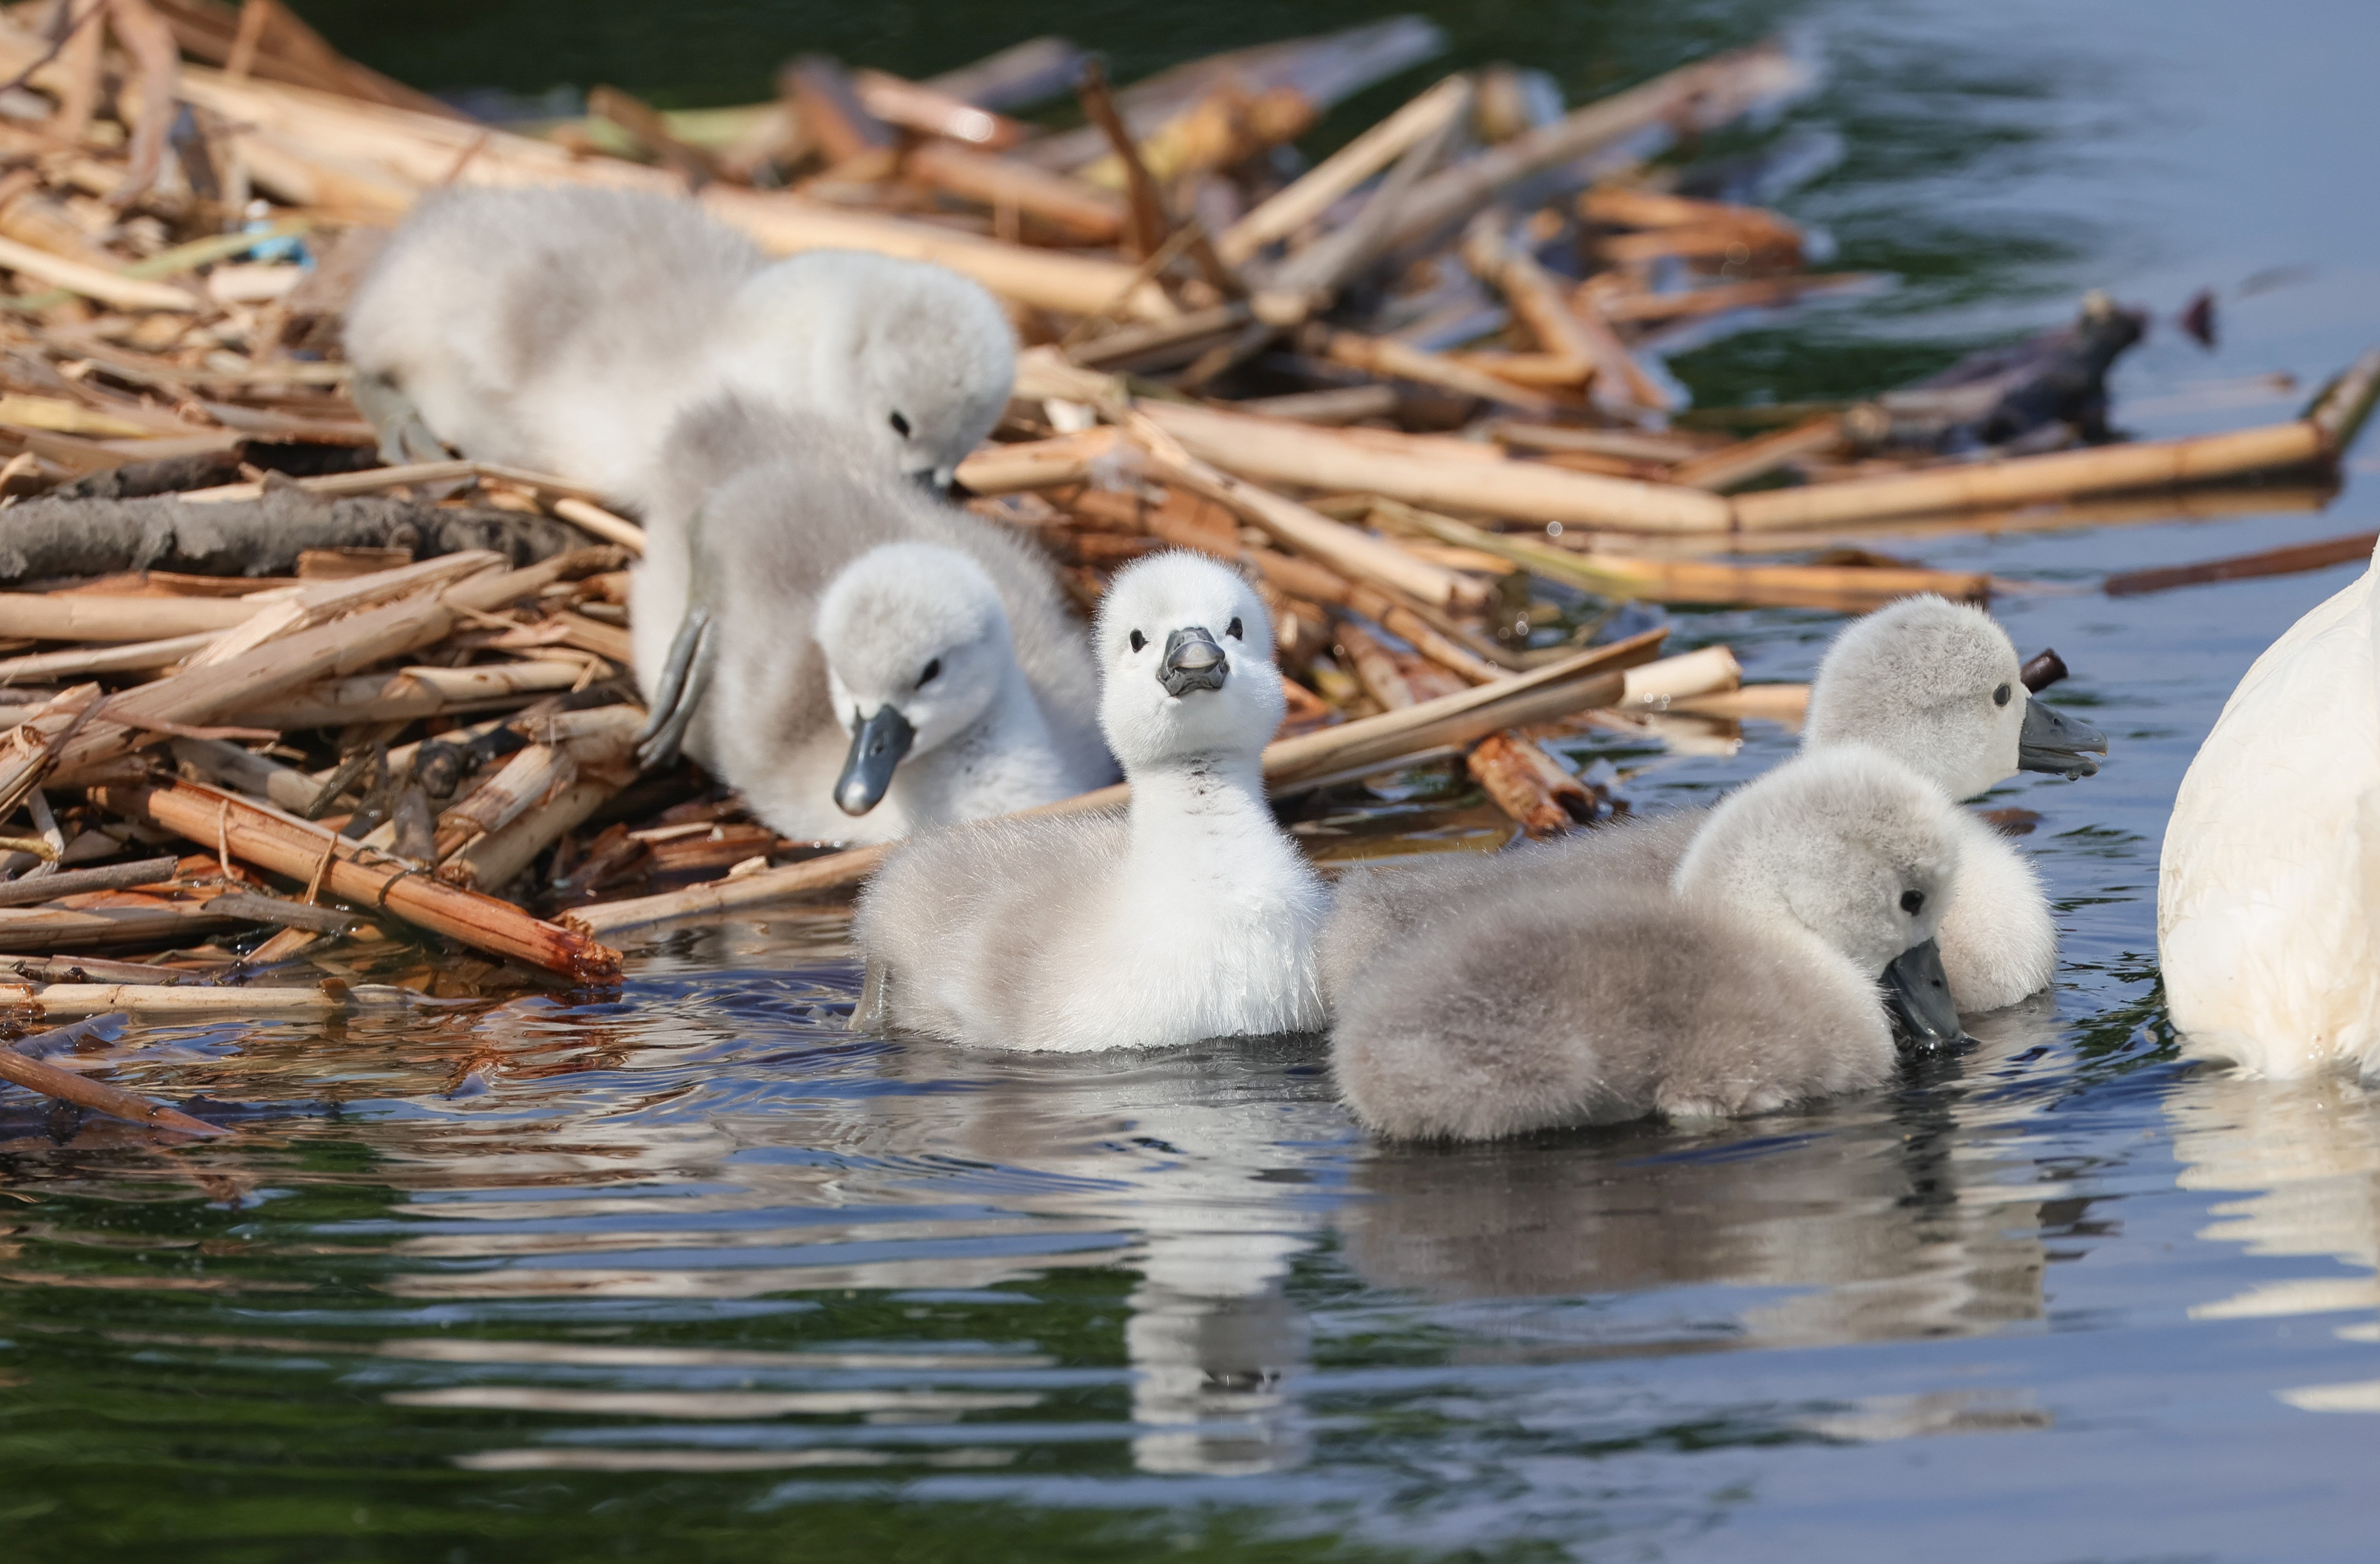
{"x":565,"y":330}
{"x":867,"y":660}
{"x":1799,"y":925}
{"x":1192,"y":918}
{"x":1934,"y":683}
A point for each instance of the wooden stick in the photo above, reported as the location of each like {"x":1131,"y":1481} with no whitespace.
{"x":413,"y":692}
{"x":1150,"y":224}
{"x":292,"y":847}
{"x":1757,"y":457}
{"x":1759,"y":292}
{"x":62,"y":1000}
{"x":73,"y":882}
{"x":1375,"y":669}
{"x":253,"y":908}
{"x":1530,"y":785}
{"x":1392,"y":359}
{"x":1038,"y":463}
{"x":1086,"y":213}
{"x":495,"y":860}
{"x":1076,"y":284}
{"x":1710,"y":670}
{"x":1276,"y":450}
{"x":1313,"y":192}
{"x":97,"y":1096}
{"x":90,"y":616}
{"x":108,"y":287}
{"x":24,"y":929}
{"x":920,"y":107}
{"x":2146,"y":463}
{"x":128,"y":657}
{"x":2237,"y":567}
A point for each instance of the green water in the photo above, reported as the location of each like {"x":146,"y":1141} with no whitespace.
{"x":703,"y":1275}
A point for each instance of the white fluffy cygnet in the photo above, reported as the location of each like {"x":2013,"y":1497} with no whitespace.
{"x":1934,"y":683}
{"x":1192,"y":918}
{"x":565,"y":330}
{"x":1760,"y":976}
{"x":2269,"y":892}
{"x":870,"y":661}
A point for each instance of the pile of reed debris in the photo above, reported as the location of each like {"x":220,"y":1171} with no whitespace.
{"x":275,"y":709}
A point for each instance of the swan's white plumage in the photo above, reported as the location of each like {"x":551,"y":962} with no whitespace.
{"x":1192,"y":918}
{"x":2268,"y":891}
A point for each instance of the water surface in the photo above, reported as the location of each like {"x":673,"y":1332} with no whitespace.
{"x":700,"y":1273}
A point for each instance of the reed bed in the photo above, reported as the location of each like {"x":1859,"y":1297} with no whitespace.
{"x":277,"y":717}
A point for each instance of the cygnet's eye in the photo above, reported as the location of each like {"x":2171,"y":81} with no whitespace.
{"x":1912,"y":901}
{"x":932,"y":669}
{"x":1232,"y":630}
{"x":1138,"y":640}
{"x":2000,"y":696}
{"x":901,"y":425}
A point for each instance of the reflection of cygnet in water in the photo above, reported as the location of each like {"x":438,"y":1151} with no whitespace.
{"x":565,"y":330}
{"x":1935,"y":684}
{"x":1749,"y":983}
{"x":861,"y":659}
{"x":2269,"y":892}
{"x":1192,"y":918}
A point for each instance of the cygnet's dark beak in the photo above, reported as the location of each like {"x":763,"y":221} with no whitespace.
{"x":1917,"y":996}
{"x":1192,"y":662}
{"x":877,"y":746}
{"x":2053,"y":742}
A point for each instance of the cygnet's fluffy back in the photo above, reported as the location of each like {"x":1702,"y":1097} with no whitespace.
{"x":1749,"y":984}
{"x":564,"y":329}
{"x":773,"y":543}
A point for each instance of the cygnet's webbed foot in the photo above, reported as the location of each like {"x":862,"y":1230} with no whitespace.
{"x":403,"y":436}
{"x":685,"y":676}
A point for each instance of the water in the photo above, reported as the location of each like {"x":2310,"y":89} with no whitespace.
{"x":700,"y":1274}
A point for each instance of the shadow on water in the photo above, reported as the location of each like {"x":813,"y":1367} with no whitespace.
{"x":697,"y":1272}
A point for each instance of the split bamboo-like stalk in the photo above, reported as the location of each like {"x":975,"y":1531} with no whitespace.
{"x":1522,"y":780}
{"x":569,"y":744}
{"x":1392,"y":359}
{"x":92,"y":616}
{"x":25,"y":930}
{"x":91,"y":282}
{"x":1710,"y":670}
{"x":1039,"y":464}
{"x":60,"y":1001}
{"x":1271,"y":449}
{"x":1085,"y":213}
{"x":97,"y":1096}
{"x":294,"y":848}
{"x":126,"y":656}
{"x":1748,"y":459}
{"x":413,"y":692}
{"x":494,"y":859}
{"x":1375,"y":669}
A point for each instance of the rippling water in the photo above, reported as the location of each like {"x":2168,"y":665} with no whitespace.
{"x":697,"y":1272}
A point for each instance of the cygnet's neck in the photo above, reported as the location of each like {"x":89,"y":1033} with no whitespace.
{"x":1185,"y":801}
{"x":1006,"y":760}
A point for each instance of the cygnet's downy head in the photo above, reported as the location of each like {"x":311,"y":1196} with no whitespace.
{"x":1185,"y":664}
{"x":1857,"y":849}
{"x":918,"y":360}
{"x":916,"y":649}
{"x":1937,"y":685}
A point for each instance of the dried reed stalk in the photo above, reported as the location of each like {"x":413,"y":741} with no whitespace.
{"x":294,"y":848}
{"x":73,"y":882}
{"x":97,"y":1096}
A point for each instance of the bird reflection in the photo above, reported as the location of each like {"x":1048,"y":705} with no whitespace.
{"x":1859,"y":1208}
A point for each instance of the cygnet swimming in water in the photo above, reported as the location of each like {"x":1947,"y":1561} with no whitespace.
{"x":1799,"y":925}
{"x":1190,"y":919}
{"x":1934,"y":683}
{"x":565,"y":330}
{"x":866,"y":658}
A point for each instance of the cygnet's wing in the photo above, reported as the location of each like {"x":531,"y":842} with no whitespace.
{"x":974,"y":928}
{"x":1373,"y":908}
{"x":553,"y":329}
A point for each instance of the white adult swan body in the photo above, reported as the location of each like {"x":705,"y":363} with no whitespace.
{"x":1192,"y":918}
{"x":869,"y":659}
{"x":565,"y":330}
{"x":1757,"y":977}
{"x":2268,"y":890}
